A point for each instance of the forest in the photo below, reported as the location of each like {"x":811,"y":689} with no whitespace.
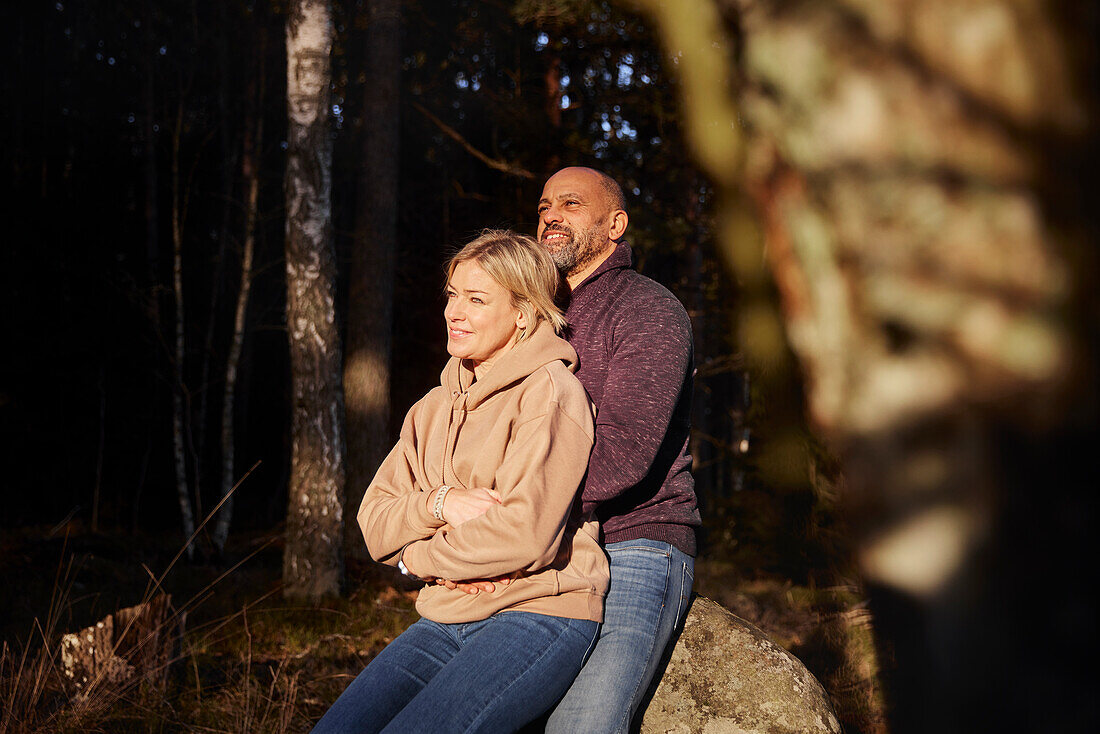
{"x":223,"y":289}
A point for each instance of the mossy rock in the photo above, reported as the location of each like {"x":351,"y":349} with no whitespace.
{"x":725,"y":676}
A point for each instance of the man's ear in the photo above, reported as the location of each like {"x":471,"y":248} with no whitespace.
{"x":618,"y":221}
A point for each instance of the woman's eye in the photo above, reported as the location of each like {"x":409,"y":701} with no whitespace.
{"x":475,"y":299}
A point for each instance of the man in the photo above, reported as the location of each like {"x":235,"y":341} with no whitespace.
{"x":634,"y":341}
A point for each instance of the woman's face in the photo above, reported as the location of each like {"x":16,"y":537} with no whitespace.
{"x":482,"y":323}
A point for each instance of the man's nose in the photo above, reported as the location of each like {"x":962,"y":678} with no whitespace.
{"x":551,"y":215}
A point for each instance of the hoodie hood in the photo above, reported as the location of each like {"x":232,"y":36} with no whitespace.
{"x":540,"y":348}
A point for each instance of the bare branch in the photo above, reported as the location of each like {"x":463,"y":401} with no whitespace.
{"x":511,"y":169}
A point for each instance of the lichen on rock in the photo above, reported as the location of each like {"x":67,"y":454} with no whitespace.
{"x":725,"y":676}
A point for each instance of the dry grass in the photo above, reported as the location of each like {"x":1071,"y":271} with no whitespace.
{"x":265,"y":667}
{"x":829,"y":629}
{"x":250,"y":662}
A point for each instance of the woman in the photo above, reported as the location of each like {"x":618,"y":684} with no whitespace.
{"x":482,"y":485}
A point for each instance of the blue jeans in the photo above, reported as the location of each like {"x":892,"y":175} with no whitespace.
{"x":650,"y":588}
{"x":494,"y":675}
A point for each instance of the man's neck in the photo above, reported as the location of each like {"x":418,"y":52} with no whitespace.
{"x":575,"y":279}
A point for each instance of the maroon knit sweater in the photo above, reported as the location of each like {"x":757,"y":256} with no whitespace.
{"x":633,"y":338}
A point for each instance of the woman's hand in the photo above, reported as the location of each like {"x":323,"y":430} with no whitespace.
{"x":461,"y":504}
{"x":474,"y":586}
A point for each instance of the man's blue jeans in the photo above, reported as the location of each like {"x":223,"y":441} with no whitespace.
{"x":650,"y":588}
{"x":494,"y":675}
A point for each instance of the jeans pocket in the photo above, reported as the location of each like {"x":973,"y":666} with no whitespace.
{"x":666,"y":552}
{"x":687,"y":580}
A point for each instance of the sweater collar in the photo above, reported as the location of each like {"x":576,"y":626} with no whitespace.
{"x":622,"y":257}
{"x":540,"y":348}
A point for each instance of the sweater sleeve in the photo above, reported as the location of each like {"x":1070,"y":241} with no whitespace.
{"x":538,"y":482}
{"x":395,"y":510}
{"x":647,"y":370}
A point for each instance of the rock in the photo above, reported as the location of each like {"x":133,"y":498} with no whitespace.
{"x":727,"y":676}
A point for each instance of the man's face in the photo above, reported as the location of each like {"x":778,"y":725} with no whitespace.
{"x":573,"y":219}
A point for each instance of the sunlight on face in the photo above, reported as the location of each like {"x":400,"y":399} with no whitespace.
{"x":573,"y":219}
{"x":482,"y":323}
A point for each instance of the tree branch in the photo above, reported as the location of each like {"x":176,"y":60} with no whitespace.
{"x":496,"y":164}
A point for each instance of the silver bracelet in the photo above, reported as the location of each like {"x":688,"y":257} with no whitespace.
{"x":440,"y":496}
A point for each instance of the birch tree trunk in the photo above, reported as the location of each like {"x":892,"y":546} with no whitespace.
{"x":225,"y":180}
{"x":313,"y":564}
{"x":250,"y":172}
{"x":911,"y":175}
{"x":179,"y":404}
{"x":370,"y":291}
{"x":153,"y":290}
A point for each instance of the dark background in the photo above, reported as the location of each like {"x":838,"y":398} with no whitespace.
{"x":115,"y":114}
{"x":105,"y":99}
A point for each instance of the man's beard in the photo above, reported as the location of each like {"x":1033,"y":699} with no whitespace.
{"x":577,"y":252}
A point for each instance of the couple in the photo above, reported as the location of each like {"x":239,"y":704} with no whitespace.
{"x":524,"y":612}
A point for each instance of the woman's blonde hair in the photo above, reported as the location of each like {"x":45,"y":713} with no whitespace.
{"x":523,"y":268}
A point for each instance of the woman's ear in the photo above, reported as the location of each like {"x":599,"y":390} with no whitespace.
{"x":521,"y":320}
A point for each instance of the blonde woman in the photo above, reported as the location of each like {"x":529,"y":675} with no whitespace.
{"x":482,"y":484}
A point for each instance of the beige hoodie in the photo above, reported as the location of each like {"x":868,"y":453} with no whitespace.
{"x":525,"y":430}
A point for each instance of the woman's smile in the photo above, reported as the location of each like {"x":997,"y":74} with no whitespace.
{"x":482,"y":322}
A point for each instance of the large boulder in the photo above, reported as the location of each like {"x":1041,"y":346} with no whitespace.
{"x":726,"y":676}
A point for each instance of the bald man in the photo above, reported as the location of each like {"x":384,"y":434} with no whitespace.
{"x":633,"y":340}
{"x":634,"y":343}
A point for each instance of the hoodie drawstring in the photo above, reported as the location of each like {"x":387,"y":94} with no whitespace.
{"x":453,"y":427}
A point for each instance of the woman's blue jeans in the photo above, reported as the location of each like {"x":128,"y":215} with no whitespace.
{"x":650,"y":588}
{"x":494,"y":675}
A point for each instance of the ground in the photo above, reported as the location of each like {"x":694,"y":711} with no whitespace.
{"x":248,"y":661}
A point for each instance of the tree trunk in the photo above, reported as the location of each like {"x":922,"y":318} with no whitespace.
{"x":370,"y":290}
{"x":313,"y":563}
{"x":250,"y":172}
{"x":152,"y":287}
{"x":553,"y":99}
{"x":135,"y":643}
{"x":915,"y":171}
{"x":101,"y":388}
{"x":179,"y":405}
{"x":225,"y":179}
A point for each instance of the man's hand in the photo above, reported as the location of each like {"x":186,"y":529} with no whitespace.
{"x":461,"y":504}
{"x":475,"y":586}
